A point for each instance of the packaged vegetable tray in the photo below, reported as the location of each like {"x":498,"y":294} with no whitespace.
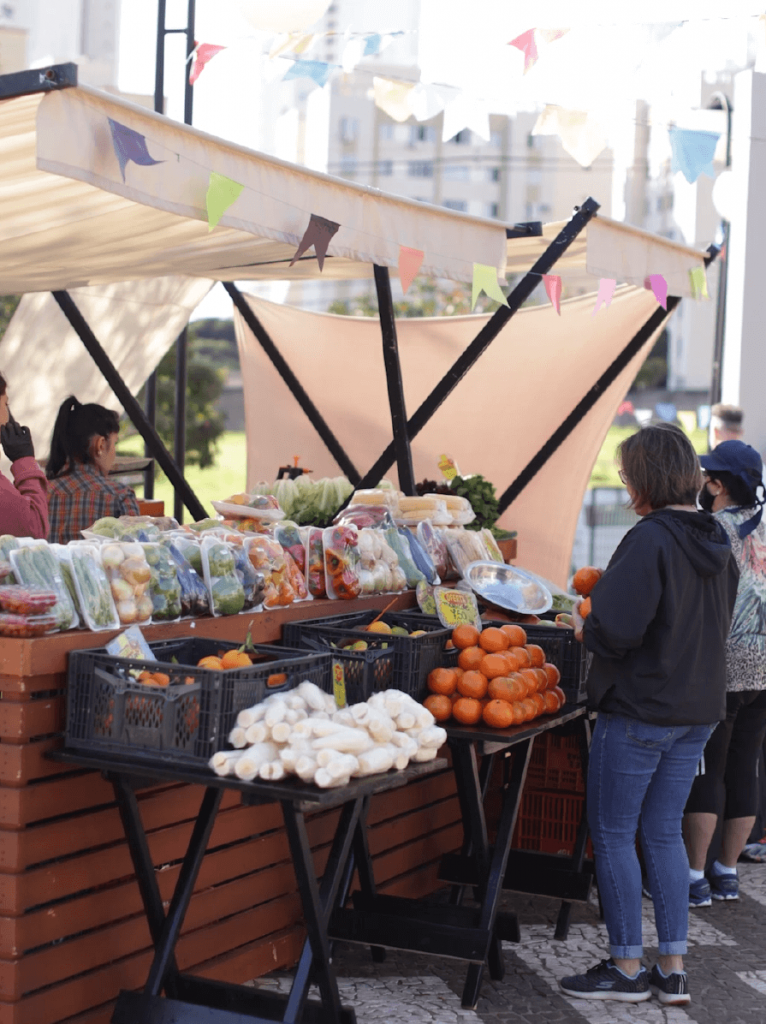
{"x":35,"y":564}
{"x":284,"y":582}
{"x":21,"y":600}
{"x":24,"y":627}
{"x":164,"y":585}
{"x":227,"y":595}
{"x":187,"y":720}
{"x":129,"y":576}
{"x":92,"y":586}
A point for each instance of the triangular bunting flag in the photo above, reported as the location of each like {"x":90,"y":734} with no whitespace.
{"x":393,"y":97}
{"x":221,"y":193}
{"x":693,"y":152}
{"x":698,"y":280}
{"x":129,"y":145}
{"x":202,"y":56}
{"x":526,"y":43}
{"x":426,"y":101}
{"x":606,"y":287}
{"x":372,"y":44}
{"x":552,"y":283}
{"x":550,"y":35}
{"x":485,"y":280}
{"x":353,"y":52}
{"x":410,"y":261}
{"x":465,"y":112}
{"x":581,"y":136}
{"x":318,"y":233}
{"x":657,"y":284}
{"x":316,"y":70}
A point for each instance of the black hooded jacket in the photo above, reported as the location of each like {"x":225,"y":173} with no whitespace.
{"x":659,"y":621}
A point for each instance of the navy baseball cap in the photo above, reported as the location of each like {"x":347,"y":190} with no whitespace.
{"x":743,"y":461}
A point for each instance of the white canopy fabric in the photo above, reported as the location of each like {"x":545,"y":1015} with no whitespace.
{"x":497,"y":418}
{"x":69,"y":220}
{"x":44,"y":361}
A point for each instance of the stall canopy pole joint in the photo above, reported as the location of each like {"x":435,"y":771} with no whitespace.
{"x":48,"y":79}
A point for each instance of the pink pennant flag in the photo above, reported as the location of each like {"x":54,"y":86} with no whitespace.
{"x":410,"y":261}
{"x":526,"y":43}
{"x":552,"y":284}
{"x":657,"y":284}
{"x":202,"y":56}
{"x":606,"y":287}
{"x":318,"y":233}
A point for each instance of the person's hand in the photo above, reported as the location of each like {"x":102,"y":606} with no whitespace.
{"x":16,"y":440}
{"x":579,"y":621}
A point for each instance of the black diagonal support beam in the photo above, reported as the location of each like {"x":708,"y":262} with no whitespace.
{"x":394,"y":380}
{"x":129,"y":404}
{"x":295,"y":386}
{"x":48,"y":79}
{"x":485,"y":337}
{"x":607,"y":378}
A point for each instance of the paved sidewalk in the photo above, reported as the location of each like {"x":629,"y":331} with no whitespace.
{"x":726,"y":965}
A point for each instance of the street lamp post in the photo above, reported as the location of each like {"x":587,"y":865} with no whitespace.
{"x":719,"y":101}
{"x":182,"y":340}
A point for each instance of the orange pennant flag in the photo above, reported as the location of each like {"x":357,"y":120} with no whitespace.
{"x":410,"y":261}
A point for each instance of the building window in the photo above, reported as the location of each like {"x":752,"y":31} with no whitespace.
{"x":496,"y":139}
{"x":456,"y":204}
{"x":385,"y":168}
{"x":386,"y":131}
{"x":349,"y":129}
{"x":347,"y":166}
{"x":422,"y":133}
{"x":493,"y":174}
{"x":532,"y":141}
{"x":420,"y":169}
{"x":493,"y":209}
{"x":456,"y":172}
{"x":463,"y":137}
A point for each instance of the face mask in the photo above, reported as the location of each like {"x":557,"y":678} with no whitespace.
{"x":705,"y":499}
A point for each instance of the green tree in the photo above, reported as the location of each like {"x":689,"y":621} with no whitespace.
{"x":8,"y":304}
{"x":426,"y":297}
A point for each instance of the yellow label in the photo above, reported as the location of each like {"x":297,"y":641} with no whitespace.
{"x":456,"y":608}
{"x":425,"y":597}
{"x":339,"y":684}
{"x":448,"y":467}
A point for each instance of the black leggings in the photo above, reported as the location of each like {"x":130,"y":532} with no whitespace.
{"x":729,"y":779}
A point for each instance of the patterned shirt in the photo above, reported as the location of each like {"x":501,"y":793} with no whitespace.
{"x":80,"y":496}
{"x":746,"y":646}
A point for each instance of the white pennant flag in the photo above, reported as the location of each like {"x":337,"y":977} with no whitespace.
{"x":466,"y":112}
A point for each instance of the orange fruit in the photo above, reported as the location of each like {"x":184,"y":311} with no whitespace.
{"x":276,"y":679}
{"x":553,"y":674}
{"x":512,"y":660}
{"x":470,"y":658}
{"x":584,"y":608}
{"x":465,"y":636}
{"x":520,"y":685}
{"x":236,"y":659}
{"x":517,"y":636}
{"x":560,"y":694}
{"x":211,"y":662}
{"x":472,"y":684}
{"x":493,"y":639}
{"x":499,"y":714}
{"x":443,"y":681}
{"x":449,"y":646}
{"x":542,"y":676}
{"x":467,"y":710}
{"x":493,"y":665}
{"x":585,"y":579}
{"x":458,"y":671}
{"x":503,"y":688}
{"x":536,"y":654}
{"x":529,"y":707}
{"x":523,"y":656}
{"x":440,"y":706}
{"x":519,"y":713}
{"x":531,"y":680}
{"x":551,"y":702}
{"x":539,"y":702}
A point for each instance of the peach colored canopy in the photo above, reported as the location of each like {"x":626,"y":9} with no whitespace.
{"x":493,"y":423}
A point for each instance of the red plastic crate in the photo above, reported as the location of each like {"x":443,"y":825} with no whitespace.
{"x":548,"y":822}
{"x":555,"y":764}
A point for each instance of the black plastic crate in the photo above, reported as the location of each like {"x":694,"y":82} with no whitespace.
{"x":414,"y":656}
{"x":364,"y":672}
{"x":187,"y":721}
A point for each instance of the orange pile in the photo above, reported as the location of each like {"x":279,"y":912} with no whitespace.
{"x":500,"y":679}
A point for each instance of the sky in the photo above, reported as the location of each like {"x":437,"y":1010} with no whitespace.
{"x":613,"y":52}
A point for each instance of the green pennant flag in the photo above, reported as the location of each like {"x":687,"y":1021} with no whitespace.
{"x":485,"y":280}
{"x":221,"y":193}
{"x":699,"y":283}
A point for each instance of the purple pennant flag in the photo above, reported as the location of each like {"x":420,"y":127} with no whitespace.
{"x":318,"y":233}
{"x":129,"y":145}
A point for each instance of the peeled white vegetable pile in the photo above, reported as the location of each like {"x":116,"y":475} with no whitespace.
{"x":301,"y":732}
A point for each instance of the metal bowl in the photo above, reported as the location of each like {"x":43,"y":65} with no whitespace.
{"x":508,"y":587}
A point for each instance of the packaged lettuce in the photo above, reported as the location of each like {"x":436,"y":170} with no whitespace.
{"x":227,"y":595}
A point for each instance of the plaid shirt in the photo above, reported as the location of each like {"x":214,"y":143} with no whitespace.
{"x":80,"y":496}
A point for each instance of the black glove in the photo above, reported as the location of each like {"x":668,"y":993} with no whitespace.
{"x":16,"y":440}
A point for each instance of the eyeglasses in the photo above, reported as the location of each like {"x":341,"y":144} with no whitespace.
{"x":622,"y":476}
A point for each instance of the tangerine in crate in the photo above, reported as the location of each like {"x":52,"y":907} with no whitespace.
{"x":440,"y":706}
{"x":472,"y":684}
{"x":493,"y":639}
{"x":493,"y":665}
{"x":470,"y":658}
{"x":517,"y":636}
{"x":465,"y":636}
{"x":443,"y":681}
{"x":467,"y":710}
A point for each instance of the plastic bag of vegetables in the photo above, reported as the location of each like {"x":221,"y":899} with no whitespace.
{"x":315,"y":562}
{"x":401,"y":546}
{"x":292,"y":540}
{"x":268,"y":557}
{"x":341,"y":562}
{"x":94,"y":593}
{"x":227,"y":595}
{"x":35,"y":564}
{"x":378,"y":571}
{"x":129,"y":576}
{"x":194,"y":596}
{"x":164,"y":586}
{"x":7,"y":542}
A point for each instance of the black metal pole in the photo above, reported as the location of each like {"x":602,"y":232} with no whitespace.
{"x":295,"y":386}
{"x":394,"y":380}
{"x":179,"y":449}
{"x":133,"y":408}
{"x":485,"y":337}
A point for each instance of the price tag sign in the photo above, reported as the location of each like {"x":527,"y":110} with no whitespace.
{"x":456,"y":607}
{"x":448,"y":466}
{"x":339,"y":684}
{"x":424,"y":593}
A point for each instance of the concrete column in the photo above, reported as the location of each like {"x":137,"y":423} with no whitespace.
{"x":744,"y":359}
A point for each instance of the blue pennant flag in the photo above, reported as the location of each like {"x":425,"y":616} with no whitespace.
{"x":693,"y":152}
{"x":372,"y":44}
{"x":316,"y":70}
{"x":129,"y":145}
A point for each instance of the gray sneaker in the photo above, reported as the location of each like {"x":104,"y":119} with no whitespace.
{"x":671,"y":991}
{"x":724,"y":887}
{"x":606,"y":981}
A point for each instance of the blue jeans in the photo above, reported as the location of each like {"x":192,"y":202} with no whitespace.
{"x":639,"y":775}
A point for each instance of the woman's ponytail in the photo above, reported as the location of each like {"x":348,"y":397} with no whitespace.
{"x":58,"y":457}
{"x":76,"y":425}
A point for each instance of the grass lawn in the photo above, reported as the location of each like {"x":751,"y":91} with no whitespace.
{"x":605,"y":469}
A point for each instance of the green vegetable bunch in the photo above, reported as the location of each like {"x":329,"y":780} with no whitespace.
{"x":481,"y":494}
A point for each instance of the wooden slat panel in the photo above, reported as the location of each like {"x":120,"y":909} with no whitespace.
{"x":16,"y":684}
{"x":21,"y":763}
{"x":21,"y":720}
